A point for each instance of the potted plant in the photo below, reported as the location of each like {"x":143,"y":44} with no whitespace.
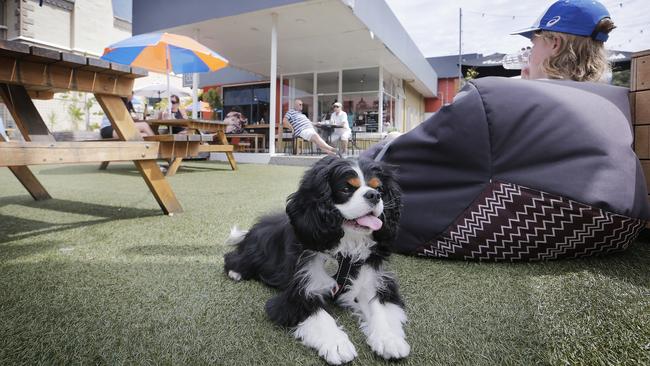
{"x":213,"y":98}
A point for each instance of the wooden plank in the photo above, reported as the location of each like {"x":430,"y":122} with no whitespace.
{"x":178,"y":149}
{"x":123,"y":124}
{"x":41,"y":94}
{"x":57,"y":76}
{"x":96,"y":64}
{"x":173,"y":167}
{"x":44,"y":55}
{"x":641,"y":107}
{"x":28,"y":180}
{"x":25,"y":114}
{"x":642,"y":141}
{"x":13,"y":48}
{"x":640,"y":73}
{"x":215,"y":148}
{"x":221,"y":139}
{"x":39,"y":153}
{"x":139,"y":72}
{"x":174,"y":137}
{"x":122,"y":69}
{"x":72,"y":60}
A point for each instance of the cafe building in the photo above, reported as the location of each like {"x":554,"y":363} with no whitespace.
{"x":321,"y":51}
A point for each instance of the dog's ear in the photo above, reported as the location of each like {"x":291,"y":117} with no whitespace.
{"x":315,"y":219}
{"x":391,"y":195}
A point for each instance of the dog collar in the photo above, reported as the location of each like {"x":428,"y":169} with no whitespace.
{"x":347,"y":269}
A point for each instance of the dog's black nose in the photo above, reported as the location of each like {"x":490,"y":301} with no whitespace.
{"x":372,"y":196}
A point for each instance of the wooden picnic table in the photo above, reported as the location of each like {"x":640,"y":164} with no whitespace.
{"x":216,"y":130}
{"x":28,"y":72}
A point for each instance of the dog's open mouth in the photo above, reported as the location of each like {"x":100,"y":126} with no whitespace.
{"x":368,"y":221}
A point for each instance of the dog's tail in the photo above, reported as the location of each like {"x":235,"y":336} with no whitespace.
{"x":236,"y":236}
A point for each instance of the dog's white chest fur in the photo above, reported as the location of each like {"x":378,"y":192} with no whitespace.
{"x":354,"y":244}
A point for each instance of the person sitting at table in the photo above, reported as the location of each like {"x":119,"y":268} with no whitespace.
{"x":303,"y":128}
{"x":177,"y":113}
{"x":340,"y":118}
{"x":106,"y":128}
{"x":236,"y":121}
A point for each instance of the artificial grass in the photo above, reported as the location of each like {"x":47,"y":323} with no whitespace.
{"x":98,"y":275}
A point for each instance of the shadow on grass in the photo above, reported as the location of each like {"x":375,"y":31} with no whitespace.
{"x":14,"y":228}
{"x":172,"y":250}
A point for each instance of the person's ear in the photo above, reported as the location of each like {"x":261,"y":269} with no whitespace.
{"x":556,"y":43}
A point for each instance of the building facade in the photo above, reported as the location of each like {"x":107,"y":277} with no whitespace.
{"x":352,"y":51}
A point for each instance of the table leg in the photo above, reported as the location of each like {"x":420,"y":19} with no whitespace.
{"x":221,"y":138}
{"x":173,"y":166}
{"x":32,"y":128}
{"x":125,"y":127}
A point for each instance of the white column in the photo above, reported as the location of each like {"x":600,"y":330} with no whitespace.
{"x":380,"y":115}
{"x":315,"y":89}
{"x":274,"y":69}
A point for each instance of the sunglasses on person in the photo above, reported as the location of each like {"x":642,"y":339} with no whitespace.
{"x":174,"y":102}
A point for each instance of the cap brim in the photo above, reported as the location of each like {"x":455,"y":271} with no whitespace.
{"x":527,"y":32}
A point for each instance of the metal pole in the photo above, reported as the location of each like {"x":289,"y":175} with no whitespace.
{"x":460,"y":46}
{"x":273,"y":76}
{"x":195,"y":87}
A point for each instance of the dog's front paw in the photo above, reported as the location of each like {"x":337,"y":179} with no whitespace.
{"x":389,"y":346}
{"x":338,"y":351}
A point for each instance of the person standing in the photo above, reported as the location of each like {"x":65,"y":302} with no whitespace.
{"x":303,"y":128}
{"x":340,"y":118}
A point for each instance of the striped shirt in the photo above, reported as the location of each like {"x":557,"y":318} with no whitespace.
{"x":299,"y":122}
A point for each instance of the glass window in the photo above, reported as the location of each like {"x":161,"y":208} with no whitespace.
{"x":298,"y":87}
{"x":325,"y":106}
{"x":328,"y":83}
{"x":362,"y":110}
{"x":252,"y":101}
{"x":358,"y":80}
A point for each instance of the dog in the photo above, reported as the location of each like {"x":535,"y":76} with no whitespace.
{"x":330,"y":246}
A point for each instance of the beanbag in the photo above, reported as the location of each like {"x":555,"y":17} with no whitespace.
{"x":520,"y":170}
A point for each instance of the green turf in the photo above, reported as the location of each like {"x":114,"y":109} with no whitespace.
{"x":98,"y":276}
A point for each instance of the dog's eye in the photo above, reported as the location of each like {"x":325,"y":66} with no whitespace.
{"x":348,"y":188}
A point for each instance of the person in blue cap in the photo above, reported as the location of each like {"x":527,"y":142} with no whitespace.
{"x":568,"y":42}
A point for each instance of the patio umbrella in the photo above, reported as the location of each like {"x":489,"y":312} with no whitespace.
{"x":203,"y":107}
{"x":165,"y":53}
{"x":159,"y":91}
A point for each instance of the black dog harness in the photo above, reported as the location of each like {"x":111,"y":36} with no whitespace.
{"x":346,"y":272}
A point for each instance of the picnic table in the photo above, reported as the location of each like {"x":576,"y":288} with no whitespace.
{"x":195,"y":129}
{"x":28,"y":72}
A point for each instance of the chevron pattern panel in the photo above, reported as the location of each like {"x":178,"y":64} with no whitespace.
{"x":508,"y":222}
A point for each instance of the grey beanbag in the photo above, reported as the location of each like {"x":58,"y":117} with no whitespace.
{"x":520,"y":170}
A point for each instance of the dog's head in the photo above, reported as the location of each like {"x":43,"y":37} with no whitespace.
{"x":337,"y":195}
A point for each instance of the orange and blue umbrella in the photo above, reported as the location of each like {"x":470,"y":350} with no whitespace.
{"x":164,"y":52}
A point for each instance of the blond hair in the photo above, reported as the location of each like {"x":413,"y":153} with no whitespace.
{"x":578,"y":58}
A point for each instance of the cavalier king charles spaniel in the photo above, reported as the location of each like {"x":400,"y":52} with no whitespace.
{"x":330,"y":247}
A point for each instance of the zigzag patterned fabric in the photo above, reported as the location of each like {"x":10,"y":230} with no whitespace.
{"x":508,"y":222}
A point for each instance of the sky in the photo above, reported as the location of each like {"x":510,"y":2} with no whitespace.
{"x":486,"y":24}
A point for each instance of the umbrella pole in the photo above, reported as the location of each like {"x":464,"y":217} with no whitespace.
{"x":169,"y":95}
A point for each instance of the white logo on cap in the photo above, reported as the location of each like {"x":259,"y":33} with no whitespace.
{"x":553,"y":20}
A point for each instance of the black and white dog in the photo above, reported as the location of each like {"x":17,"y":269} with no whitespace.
{"x":330,"y":245}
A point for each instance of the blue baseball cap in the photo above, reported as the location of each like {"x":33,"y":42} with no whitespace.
{"x":577,"y":17}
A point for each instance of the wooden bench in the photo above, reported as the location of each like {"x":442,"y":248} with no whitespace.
{"x":253,"y":136}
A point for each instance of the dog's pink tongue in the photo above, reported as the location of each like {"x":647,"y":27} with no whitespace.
{"x":370,"y":221}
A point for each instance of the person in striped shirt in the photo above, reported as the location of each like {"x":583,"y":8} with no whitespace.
{"x":303,"y":128}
